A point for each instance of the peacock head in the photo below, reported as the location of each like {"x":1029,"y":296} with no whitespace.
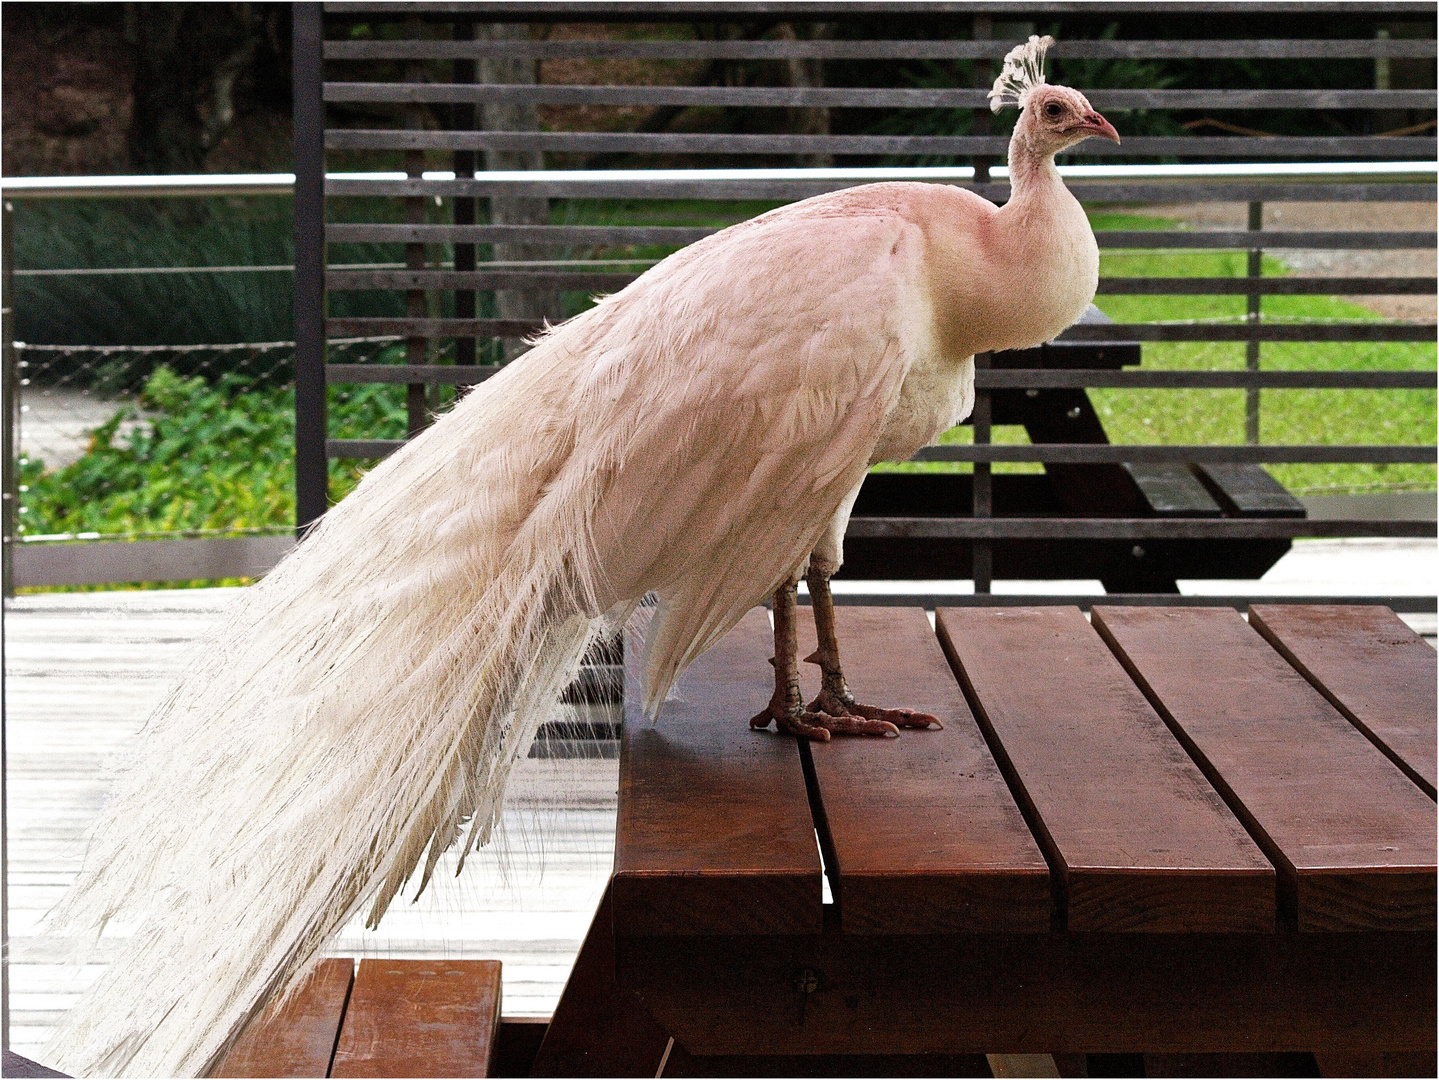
{"x":1052,"y":118}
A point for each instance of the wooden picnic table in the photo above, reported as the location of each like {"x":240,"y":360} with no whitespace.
{"x":1160,"y":831}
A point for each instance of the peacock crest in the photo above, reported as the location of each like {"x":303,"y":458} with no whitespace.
{"x":1023,"y":72}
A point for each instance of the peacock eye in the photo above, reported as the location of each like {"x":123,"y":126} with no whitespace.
{"x":1052,"y":109}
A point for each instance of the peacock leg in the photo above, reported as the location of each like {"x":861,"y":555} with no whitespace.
{"x":834,"y":698}
{"x":786,"y":708}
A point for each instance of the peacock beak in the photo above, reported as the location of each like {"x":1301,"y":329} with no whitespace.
{"x":1098,"y":125}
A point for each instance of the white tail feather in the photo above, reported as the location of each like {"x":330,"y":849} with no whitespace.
{"x":361,"y":707}
{"x":364,"y":705}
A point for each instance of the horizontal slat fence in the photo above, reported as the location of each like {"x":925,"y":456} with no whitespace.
{"x":1322,"y":48}
{"x":372,"y":114}
{"x":592,"y":142}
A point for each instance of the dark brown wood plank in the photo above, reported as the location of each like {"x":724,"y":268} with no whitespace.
{"x":420,"y":1018}
{"x":1377,"y":1063}
{"x":299,"y":1039}
{"x":1039,"y":993}
{"x":1140,"y":840}
{"x":858,"y":97}
{"x":599,"y":1028}
{"x":926,"y":835}
{"x":1172,"y":490}
{"x":994,"y":49}
{"x":1351,"y":835}
{"x":1252,"y":491}
{"x":591,"y":142}
{"x":714,"y":832}
{"x":1342,"y":649}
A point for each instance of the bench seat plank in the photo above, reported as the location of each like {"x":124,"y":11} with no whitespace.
{"x":1171,"y":490}
{"x":1352,"y":836}
{"x":1252,"y":491}
{"x":1140,"y":839}
{"x":714,"y":833}
{"x":1341,"y":649}
{"x":420,"y":1018}
{"x":299,"y":1039}
{"x":927,"y":837}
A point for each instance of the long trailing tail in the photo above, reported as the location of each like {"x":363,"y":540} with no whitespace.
{"x":360,"y":709}
{"x":364,"y":705}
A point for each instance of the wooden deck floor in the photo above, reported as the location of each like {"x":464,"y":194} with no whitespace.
{"x":84,"y":670}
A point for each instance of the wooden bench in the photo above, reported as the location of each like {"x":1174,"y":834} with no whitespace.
{"x":1151,"y":833}
{"x":1134,"y":490}
{"x":389,"y":1018}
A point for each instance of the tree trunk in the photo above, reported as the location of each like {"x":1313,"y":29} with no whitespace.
{"x":516,"y":209}
{"x":188,"y":58}
{"x":807,"y":72}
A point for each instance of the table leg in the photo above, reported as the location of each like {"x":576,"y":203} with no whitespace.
{"x":599,"y":1029}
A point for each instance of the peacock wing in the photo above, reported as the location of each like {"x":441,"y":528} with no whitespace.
{"x":748,"y":409}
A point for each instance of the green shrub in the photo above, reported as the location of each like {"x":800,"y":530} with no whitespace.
{"x":207,"y":456}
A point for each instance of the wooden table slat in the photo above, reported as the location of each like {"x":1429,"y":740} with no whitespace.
{"x":714,"y":833}
{"x":1353,"y":838}
{"x":299,"y":1039}
{"x":1372,"y":667}
{"x":1140,"y":839}
{"x":927,"y":837}
{"x":1039,"y":993}
{"x":420,"y":1018}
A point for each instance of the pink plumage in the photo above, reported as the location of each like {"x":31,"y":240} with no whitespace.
{"x":700,"y":435}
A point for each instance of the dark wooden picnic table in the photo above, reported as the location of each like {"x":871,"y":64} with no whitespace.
{"x":1159,"y":831}
{"x":1165,"y":832}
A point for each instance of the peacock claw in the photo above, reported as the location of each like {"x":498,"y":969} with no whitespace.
{"x":831,"y":704}
{"x":819,"y":726}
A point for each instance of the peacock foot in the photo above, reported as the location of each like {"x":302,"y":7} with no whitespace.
{"x":820,"y":726}
{"x":829,"y":703}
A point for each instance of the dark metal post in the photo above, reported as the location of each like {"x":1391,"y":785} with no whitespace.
{"x":10,"y":394}
{"x":417,"y":405}
{"x":10,"y":406}
{"x":1251,"y":348}
{"x":983,"y":550}
{"x":984,"y":79}
{"x":463,"y":119}
{"x":311,"y":461}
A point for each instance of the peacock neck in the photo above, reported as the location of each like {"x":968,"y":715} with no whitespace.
{"x":1032,"y":173}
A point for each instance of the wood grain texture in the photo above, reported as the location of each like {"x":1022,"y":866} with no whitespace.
{"x":1376,"y":1063}
{"x":927,"y":836}
{"x":1375,"y":670}
{"x":1140,"y":839}
{"x":599,"y":1028}
{"x":714,"y":833}
{"x":299,"y":1039}
{"x":1352,"y":837}
{"x":420,"y":1018}
{"x":1039,"y":993}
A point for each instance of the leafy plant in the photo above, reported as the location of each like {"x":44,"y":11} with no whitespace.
{"x":210,"y":456}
